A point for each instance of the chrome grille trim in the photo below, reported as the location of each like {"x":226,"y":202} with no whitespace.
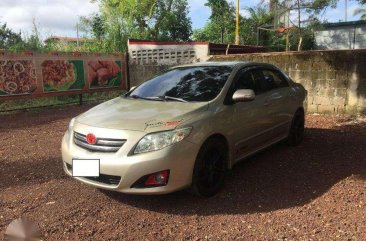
{"x":110,"y":142}
{"x":102,"y":144}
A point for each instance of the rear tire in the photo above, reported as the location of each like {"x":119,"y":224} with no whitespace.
{"x":297,"y":129}
{"x":210,"y":168}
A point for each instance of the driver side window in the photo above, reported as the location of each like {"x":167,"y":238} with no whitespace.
{"x":245,"y":81}
{"x":249,"y":79}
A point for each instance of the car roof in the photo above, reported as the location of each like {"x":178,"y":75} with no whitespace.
{"x":226,"y":63}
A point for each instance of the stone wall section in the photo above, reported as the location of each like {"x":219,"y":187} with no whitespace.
{"x":335,"y":80}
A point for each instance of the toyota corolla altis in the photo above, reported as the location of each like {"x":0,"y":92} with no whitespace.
{"x":184,"y":128}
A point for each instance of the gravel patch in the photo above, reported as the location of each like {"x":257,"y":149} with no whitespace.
{"x":316,"y":191}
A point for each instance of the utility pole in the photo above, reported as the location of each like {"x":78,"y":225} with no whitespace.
{"x":237,"y":40}
{"x":345,"y":9}
{"x":77,"y":34}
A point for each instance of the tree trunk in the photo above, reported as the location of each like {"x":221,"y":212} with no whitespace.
{"x":299,"y":26}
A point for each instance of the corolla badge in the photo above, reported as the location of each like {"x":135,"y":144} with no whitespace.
{"x":91,"y":139}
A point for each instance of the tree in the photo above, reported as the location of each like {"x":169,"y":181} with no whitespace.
{"x":147,"y":19}
{"x":360,"y":11}
{"x":222,"y":15}
{"x":15,"y":43}
{"x":172,"y":21}
{"x":212,"y":32}
{"x":92,"y":24}
{"x":307,"y":11}
{"x":259,"y":15}
{"x":8,"y":38}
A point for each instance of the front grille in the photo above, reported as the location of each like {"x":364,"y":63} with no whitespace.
{"x":107,"y":179}
{"x":103,"y":178}
{"x":102,"y":144}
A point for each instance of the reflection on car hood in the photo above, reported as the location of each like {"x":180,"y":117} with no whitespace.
{"x":140,"y":115}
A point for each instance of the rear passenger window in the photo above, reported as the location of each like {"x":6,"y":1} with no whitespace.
{"x":274,"y":79}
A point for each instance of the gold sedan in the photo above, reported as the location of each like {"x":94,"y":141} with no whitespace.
{"x":184,"y":128}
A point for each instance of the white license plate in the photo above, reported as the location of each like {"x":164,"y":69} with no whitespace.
{"x":85,"y":167}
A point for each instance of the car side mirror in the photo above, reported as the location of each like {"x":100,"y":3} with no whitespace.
{"x":243,"y":95}
{"x":132,"y":88}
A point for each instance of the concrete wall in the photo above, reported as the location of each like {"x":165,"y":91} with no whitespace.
{"x":141,"y":72}
{"x":335,"y":80}
{"x":146,"y":60}
{"x":342,"y":37}
{"x":168,"y":54}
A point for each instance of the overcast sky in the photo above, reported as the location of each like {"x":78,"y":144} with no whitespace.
{"x":58,"y":17}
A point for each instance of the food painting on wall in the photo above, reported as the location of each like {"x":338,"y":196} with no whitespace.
{"x":104,"y":74}
{"x":17,"y":77}
{"x":62,"y":75}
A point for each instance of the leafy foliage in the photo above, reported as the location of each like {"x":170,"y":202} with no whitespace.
{"x":14,"y":42}
{"x":8,"y":38}
{"x":146,"y":19}
{"x":307,"y":12}
{"x":93,"y":24}
{"x":258,"y":17}
{"x":172,"y":21}
{"x":222,"y":20}
{"x":361,"y":11}
{"x":221,"y":25}
{"x":167,"y":20}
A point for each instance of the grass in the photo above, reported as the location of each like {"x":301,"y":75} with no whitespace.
{"x":16,"y":105}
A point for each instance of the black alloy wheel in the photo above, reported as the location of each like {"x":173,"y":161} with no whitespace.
{"x":210,"y":168}
{"x":297,"y":129}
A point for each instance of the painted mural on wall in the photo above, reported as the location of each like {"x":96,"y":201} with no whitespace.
{"x":62,"y":75}
{"x":104,"y":74}
{"x":17,"y":77}
{"x":35,"y":75}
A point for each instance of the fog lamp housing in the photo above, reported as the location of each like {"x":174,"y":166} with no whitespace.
{"x":157,"y":179}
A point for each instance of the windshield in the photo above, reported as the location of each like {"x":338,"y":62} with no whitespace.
{"x":201,"y":83}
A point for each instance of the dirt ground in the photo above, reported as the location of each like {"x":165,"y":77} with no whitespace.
{"x":316,"y":191}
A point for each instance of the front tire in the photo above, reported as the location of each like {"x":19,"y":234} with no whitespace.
{"x":297,"y":129}
{"x":210,"y":168}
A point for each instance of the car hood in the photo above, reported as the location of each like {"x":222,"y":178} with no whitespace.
{"x":140,"y":115}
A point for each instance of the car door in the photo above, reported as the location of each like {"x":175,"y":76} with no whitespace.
{"x":250,"y":120}
{"x":278,"y":102}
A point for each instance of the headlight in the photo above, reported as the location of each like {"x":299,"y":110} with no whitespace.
{"x":160,"y":140}
{"x":71,"y":125}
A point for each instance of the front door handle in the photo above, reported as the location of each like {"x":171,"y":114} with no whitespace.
{"x":267,"y":103}
{"x":276,"y":96}
{"x":272,"y":98}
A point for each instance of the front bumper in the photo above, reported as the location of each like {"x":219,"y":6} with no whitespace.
{"x":178,"y":158}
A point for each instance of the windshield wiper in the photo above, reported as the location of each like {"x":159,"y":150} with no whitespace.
{"x":144,"y":98}
{"x":166,"y":97}
{"x":158,"y":98}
